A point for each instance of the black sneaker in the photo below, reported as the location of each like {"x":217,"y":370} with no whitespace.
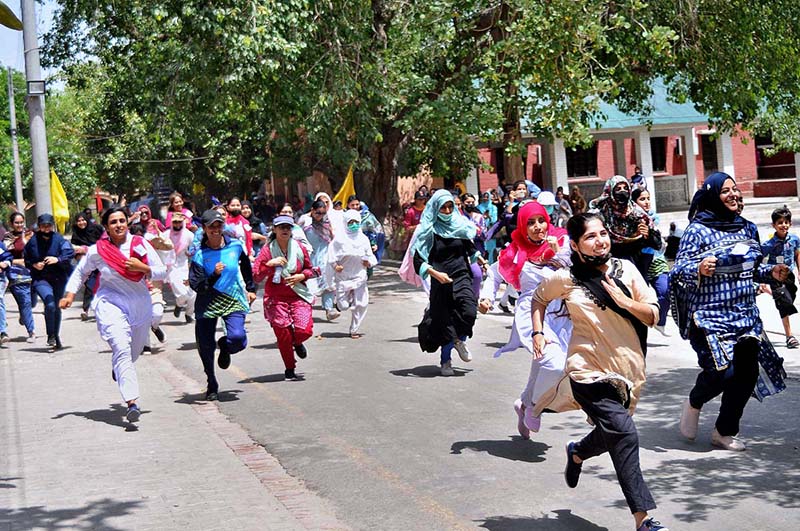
{"x":301,"y":351}
{"x":211,"y":396}
{"x":177,"y":311}
{"x":224,"y":360}
{"x":573,"y":470}
{"x":146,"y":348}
{"x":133,"y":413}
{"x":505,"y":308}
{"x":84,"y":316}
{"x":158,"y":333}
{"x":188,"y":318}
{"x":289,"y":374}
{"x":4,"y":338}
{"x":51,"y":341}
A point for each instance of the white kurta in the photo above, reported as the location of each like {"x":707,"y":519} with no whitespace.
{"x":178,"y":274}
{"x":122,"y":308}
{"x":547,"y":370}
{"x":350,"y":284}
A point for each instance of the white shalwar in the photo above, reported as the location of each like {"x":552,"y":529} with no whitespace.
{"x":350,"y":250}
{"x":164,"y":248}
{"x":178,"y":271}
{"x":549,"y":369}
{"x":122,"y":309}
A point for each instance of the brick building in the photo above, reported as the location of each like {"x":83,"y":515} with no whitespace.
{"x":674,"y":146}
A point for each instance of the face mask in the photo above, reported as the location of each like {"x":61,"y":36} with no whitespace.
{"x":549,"y":209}
{"x":621,"y":196}
{"x":234,"y":213}
{"x":352,"y":227}
{"x":445,"y":217}
{"x":46,"y":235}
{"x":593,"y":260}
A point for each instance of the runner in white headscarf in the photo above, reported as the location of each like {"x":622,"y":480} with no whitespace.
{"x":349,"y":256}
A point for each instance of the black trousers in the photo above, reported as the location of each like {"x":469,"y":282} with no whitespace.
{"x":615,"y":433}
{"x":736,"y":384}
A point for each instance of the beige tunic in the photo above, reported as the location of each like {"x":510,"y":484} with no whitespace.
{"x":604,"y":345}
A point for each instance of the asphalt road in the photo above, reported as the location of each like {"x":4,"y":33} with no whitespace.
{"x":392,"y":445}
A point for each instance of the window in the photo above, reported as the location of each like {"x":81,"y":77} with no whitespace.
{"x":658,"y":153}
{"x":709,"y":149}
{"x":582,"y":162}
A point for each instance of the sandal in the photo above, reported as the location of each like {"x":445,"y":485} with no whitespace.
{"x":792,"y":342}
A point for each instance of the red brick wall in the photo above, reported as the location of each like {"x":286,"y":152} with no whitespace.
{"x":605,"y":159}
{"x":744,"y":160}
{"x":486,"y":179}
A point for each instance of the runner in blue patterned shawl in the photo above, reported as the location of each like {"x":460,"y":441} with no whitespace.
{"x":714,"y":304}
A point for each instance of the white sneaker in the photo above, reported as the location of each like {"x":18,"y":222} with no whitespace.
{"x":663,"y":330}
{"x":31,"y":338}
{"x":690,"y":417}
{"x":332,"y":314}
{"x":463,"y":351}
{"x":447,"y":369}
{"x":727,"y":442}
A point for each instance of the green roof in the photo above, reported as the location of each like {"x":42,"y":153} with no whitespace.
{"x":664,"y":112}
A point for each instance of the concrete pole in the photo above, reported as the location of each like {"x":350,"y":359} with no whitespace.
{"x":15,"y":145}
{"x":644,"y":159}
{"x":38,"y":133}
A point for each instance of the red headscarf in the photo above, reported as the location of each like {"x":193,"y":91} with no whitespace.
{"x":522,"y":250}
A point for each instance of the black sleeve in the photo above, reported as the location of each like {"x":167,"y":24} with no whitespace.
{"x":247,"y":273}
{"x":198,"y":280}
{"x":653,"y":239}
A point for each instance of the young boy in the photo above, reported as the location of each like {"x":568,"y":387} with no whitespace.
{"x":784,"y":248}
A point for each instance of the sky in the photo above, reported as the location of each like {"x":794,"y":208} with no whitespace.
{"x":11,"y":49}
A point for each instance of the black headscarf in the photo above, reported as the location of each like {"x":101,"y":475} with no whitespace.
{"x":254,"y":221}
{"x":707,"y":208}
{"x":87,"y":235}
{"x":591,"y":278}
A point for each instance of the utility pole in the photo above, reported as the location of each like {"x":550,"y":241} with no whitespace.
{"x":14,"y":145}
{"x":36,"y":89}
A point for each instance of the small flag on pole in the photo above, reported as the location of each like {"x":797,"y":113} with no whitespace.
{"x":348,"y":188}
{"x":59,"y":200}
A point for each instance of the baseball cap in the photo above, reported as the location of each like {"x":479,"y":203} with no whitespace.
{"x":546,"y":199}
{"x":46,"y":219}
{"x":211,"y":216}
{"x":282,"y":220}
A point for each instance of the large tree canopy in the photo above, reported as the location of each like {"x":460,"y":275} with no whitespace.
{"x":242,"y":89}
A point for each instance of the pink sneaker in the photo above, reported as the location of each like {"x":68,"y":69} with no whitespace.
{"x":520,"y":409}
{"x":531,"y":422}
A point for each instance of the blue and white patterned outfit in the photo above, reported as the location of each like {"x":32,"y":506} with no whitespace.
{"x":721,"y":309}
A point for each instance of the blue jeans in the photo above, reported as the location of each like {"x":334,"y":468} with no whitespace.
{"x":50,"y":295}
{"x":661,"y":285}
{"x":448,"y":349}
{"x":236,"y":340}
{"x":22,"y":294}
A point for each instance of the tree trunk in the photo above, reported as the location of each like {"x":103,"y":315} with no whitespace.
{"x":378,"y":186}
{"x":512,"y":137}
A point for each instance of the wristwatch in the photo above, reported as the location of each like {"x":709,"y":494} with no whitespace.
{"x":536,"y":333}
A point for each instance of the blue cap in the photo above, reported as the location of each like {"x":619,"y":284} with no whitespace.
{"x":282,"y":220}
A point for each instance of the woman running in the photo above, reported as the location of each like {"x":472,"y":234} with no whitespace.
{"x":444,"y":251}
{"x":121,"y":304}
{"x":536,"y":251}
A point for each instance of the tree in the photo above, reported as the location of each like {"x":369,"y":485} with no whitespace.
{"x":289,"y":86}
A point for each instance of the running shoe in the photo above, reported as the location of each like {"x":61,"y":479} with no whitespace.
{"x":158,"y":333}
{"x":289,"y":374}
{"x":572,"y":472}
{"x":727,"y":442}
{"x":51,"y":340}
{"x":224,"y":360}
{"x":651,"y":525}
{"x":447,"y":369}
{"x":333,"y":314}
{"x":531,"y":421}
{"x":463,"y":351}
{"x":84,"y":316}
{"x":177,"y":311}
{"x":4,"y":338}
{"x":133,"y":413}
{"x":31,"y":338}
{"x":211,"y":396}
{"x":663,"y":330}
{"x":188,"y":318}
{"x":521,"y":428}
{"x":504,"y":307}
{"x":301,"y":351}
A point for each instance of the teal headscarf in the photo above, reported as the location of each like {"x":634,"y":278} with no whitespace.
{"x":457,"y":226}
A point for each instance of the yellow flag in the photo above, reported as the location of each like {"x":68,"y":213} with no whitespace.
{"x":59,"y":199}
{"x":348,"y":188}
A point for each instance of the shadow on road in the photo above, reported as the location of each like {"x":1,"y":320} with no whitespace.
{"x":428,"y":371}
{"x":515,"y":449}
{"x":113,"y":416}
{"x":413,"y":339}
{"x":94,"y":515}
{"x":228,"y":395}
{"x":564,"y":521}
{"x":267,"y":378}
{"x":4,"y":485}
